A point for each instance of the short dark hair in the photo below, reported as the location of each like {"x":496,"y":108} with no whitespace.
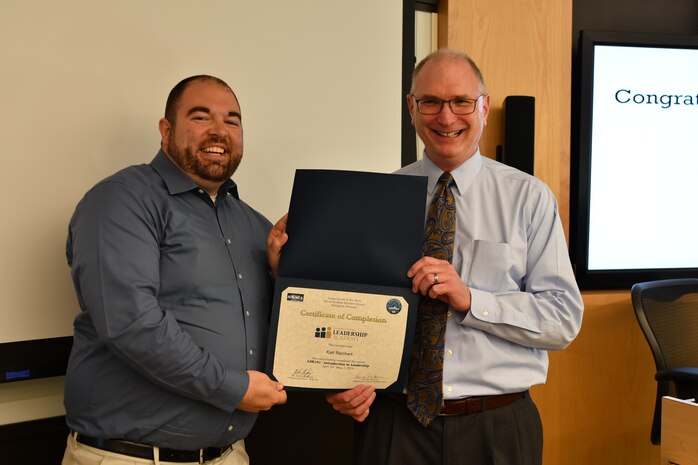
{"x":178,"y":90}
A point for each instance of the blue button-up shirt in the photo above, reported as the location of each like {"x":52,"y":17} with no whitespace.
{"x":175,"y":294}
{"x":510,"y":250}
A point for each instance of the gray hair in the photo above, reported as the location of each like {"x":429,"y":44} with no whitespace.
{"x":447,"y":52}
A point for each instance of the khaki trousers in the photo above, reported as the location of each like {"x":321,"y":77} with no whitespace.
{"x":80,"y":454}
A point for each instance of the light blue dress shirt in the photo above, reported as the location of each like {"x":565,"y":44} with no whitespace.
{"x":510,"y":249}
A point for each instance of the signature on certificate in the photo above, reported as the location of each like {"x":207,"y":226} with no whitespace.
{"x":302,"y":373}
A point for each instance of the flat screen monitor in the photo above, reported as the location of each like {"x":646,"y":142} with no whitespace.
{"x":634,"y":171}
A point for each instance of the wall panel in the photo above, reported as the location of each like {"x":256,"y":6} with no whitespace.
{"x":522,"y":48}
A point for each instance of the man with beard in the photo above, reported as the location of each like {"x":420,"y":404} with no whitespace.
{"x":173,"y":276}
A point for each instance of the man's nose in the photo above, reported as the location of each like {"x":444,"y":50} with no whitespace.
{"x":446,"y":115}
{"x":217,"y":127}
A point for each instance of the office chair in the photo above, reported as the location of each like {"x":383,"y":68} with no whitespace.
{"x":667,"y":311}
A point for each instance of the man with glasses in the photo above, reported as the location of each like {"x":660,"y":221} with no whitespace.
{"x":504,"y":282}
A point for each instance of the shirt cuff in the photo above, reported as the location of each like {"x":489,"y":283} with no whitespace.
{"x":231,"y":392}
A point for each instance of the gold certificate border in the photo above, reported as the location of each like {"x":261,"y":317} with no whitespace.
{"x":330,"y":339}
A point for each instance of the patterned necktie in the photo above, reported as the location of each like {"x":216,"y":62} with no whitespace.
{"x":424,"y":385}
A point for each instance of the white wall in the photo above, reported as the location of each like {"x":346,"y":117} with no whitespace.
{"x":83,"y":84}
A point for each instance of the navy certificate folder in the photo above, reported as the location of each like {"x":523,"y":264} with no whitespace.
{"x":357,"y":232}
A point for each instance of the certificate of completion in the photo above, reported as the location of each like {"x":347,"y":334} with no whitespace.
{"x":344,"y":312}
{"x":333,"y":339}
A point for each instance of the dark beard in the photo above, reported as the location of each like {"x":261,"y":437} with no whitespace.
{"x":211,"y":171}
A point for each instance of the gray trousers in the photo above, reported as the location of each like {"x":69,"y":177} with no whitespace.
{"x":390,"y":435}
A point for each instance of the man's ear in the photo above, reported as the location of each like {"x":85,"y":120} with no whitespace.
{"x":410,"y":107}
{"x":165,"y":127}
{"x":485,"y":108}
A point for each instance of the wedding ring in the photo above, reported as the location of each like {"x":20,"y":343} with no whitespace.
{"x":436,"y":278}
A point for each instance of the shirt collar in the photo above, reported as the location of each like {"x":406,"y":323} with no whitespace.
{"x":463,"y":176}
{"x":177,"y":180}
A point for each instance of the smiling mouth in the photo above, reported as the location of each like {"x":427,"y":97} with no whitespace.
{"x":214,"y":150}
{"x":449,"y":134}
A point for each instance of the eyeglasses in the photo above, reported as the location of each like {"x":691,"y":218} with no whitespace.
{"x":459,"y":106}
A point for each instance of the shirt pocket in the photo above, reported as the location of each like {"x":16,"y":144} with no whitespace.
{"x":494,"y":267}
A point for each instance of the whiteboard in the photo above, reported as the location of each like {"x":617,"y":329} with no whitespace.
{"x":83,"y":84}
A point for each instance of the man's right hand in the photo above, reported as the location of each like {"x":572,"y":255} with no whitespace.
{"x":262,"y":393}
{"x":355,"y":402}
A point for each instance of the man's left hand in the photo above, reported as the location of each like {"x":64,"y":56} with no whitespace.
{"x":275,"y":241}
{"x":439,"y":280}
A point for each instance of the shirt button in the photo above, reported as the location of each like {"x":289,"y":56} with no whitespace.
{"x":228,"y":241}
{"x":201,"y":191}
{"x":247,"y":313}
{"x":239,"y":275}
{"x":485,"y":313}
{"x":230,"y":427}
{"x":252,"y":351}
{"x":449,"y":389}
{"x":448,"y":313}
{"x":449,"y":352}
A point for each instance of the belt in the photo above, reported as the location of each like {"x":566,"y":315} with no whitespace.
{"x":143,"y":451}
{"x":468,"y":405}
